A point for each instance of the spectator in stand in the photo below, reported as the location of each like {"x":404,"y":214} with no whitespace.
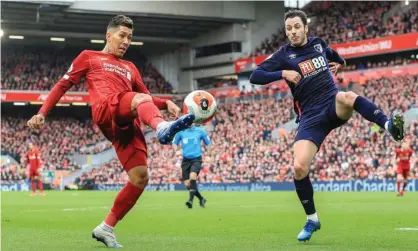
{"x":72,"y":136}
{"x":38,"y":68}
{"x":341,"y":22}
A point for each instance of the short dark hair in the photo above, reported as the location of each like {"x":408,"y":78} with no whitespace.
{"x":297,"y":13}
{"x":120,"y":20}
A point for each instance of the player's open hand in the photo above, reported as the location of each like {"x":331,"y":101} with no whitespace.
{"x":36,"y":122}
{"x":173,"y":109}
{"x":335,"y":67}
{"x":291,"y":76}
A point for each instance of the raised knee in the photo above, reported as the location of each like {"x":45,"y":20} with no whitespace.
{"x":347,"y":98}
{"x":193,"y":176}
{"x":350,"y":97}
{"x":301,"y":169}
{"x":139,"y":98}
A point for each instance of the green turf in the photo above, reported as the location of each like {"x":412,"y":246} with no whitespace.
{"x":240,"y":221}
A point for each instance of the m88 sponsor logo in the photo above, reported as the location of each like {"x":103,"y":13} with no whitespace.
{"x":313,"y":66}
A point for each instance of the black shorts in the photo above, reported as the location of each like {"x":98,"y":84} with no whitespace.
{"x":316,"y":125}
{"x":190,"y":165}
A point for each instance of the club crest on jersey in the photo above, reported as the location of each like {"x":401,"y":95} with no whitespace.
{"x":318,"y":48}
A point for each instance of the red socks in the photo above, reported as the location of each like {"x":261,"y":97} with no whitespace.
{"x":124,"y":201}
{"x":398,"y":184}
{"x":40,"y":186}
{"x":33,"y":185}
{"x":149,"y":114}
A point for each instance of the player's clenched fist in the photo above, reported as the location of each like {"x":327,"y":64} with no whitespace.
{"x":37,"y":121}
{"x":291,"y":76}
{"x":335,"y":67}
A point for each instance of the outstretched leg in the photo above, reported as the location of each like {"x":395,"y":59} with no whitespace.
{"x":346,"y":102}
{"x":142,"y":106}
{"x":304,"y":152}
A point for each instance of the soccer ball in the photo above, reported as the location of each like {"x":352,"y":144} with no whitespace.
{"x":202,"y":104}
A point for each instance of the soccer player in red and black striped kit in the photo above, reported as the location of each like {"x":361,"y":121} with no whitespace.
{"x":120,"y":102}
{"x":33,"y":161}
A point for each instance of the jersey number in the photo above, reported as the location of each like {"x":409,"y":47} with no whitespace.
{"x":319,"y":62}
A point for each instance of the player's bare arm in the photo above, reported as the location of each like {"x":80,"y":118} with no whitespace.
{"x":335,"y":67}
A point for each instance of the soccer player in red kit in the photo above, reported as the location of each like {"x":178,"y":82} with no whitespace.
{"x":403,"y":157}
{"x":120,"y":102}
{"x":33,"y":160}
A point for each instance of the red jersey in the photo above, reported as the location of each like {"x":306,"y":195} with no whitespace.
{"x":108,"y":78}
{"x":33,"y":159}
{"x":106,"y":75}
{"x":404,"y":157}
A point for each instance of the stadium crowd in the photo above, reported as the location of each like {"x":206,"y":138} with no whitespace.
{"x":39,"y":68}
{"x":59,"y":139}
{"x":12,"y":174}
{"x":379,"y":64}
{"x":341,"y":22}
{"x":249,"y":153}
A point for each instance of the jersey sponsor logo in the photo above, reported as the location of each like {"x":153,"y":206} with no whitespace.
{"x":306,"y":67}
{"x":313,"y":66}
{"x":117,"y":69}
{"x":318,"y":48}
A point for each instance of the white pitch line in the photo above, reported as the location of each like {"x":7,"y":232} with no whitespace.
{"x":84,"y":208}
{"x":149,"y":207}
{"x":407,"y":228}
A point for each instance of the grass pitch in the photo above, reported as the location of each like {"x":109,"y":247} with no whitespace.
{"x":232,"y":221}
